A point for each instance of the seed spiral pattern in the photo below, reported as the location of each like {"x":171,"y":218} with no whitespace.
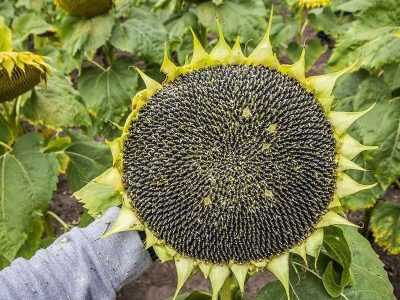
{"x":230,"y":163}
{"x":20,"y":82}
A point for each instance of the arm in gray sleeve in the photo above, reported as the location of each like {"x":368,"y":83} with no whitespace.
{"x":78,"y":265}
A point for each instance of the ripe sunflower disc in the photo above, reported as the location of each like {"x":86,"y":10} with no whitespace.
{"x":19,"y":82}
{"x":230,"y":163}
{"x":85,"y":8}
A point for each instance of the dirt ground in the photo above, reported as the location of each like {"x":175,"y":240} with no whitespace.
{"x":160,"y":280}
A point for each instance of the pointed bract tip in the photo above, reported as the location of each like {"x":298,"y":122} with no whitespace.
{"x":341,"y":121}
{"x":184,"y":268}
{"x":150,"y":83}
{"x":221,"y":51}
{"x":350,"y":147}
{"x":346,"y":164}
{"x":125,"y":221}
{"x":240,"y":273}
{"x":279,"y":266}
{"x":296,"y":70}
{"x":332,"y":218}
{"x":347,"y":186}
{"x":199,"y":54}
{"x":218,"y":275}
{"x":271,"y":15}
{"x":168,"y":67}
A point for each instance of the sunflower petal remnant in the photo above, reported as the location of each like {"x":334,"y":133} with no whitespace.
{"x":314,"y":3}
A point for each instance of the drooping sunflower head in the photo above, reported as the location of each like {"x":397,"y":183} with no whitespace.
{"x":85,"y":8}
{"x":19,"y":71}
{"x":234,"y":162}
{"x":314,"y":3}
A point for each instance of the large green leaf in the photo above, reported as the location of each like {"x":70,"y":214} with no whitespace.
{"x":29,"y":23}
{"x":34,"y":238}
{"x":385,"y":226}
{"x":88,"y":159}
{"x":82,"y":37}
{"x":371,"y":38}
{"x":28,"y":178}
{"x":108,"y":92}
{"x":141,"y":34}
{"x":239,"y":18}
{"x":7,"y":10}
{"x":369,"y":279}
{"x":57,"y":105}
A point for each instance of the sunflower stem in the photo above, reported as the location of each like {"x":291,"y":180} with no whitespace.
{"x":229,"y":289}
{"x":59,"y":220}
{"x":5,"y":146}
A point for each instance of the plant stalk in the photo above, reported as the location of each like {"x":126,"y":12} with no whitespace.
{"x":229,"y":289}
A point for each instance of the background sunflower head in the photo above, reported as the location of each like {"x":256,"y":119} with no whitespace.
{"x":85,"y":8}
{"x":314,"y":3}
{"x":19,"y":71}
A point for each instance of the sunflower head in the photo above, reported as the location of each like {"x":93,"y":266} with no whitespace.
{"x":19,"y":71}
{"x":85,"y":8}
{"x":233,"y":163}
{"x":314,"y":3}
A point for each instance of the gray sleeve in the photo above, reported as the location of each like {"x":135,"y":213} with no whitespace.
{"x":78,"y":265}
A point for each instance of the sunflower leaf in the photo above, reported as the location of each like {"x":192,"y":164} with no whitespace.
{"x":369,"y":279}
{"x":29,"y":23}
{"x":88,"y":159}
{"x":371,"y":38}
{"x":238,"y":17}
{"x":82,"y":37}
{"x":385,"y":226}
{"x":28,"y":178}
{"x":57,"y":105}
{"x":142,"y":34}
{"x":107,"y":92}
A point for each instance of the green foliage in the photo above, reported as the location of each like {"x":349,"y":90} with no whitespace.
{"x":371,"y":38}
{"x":28,"y":178}
{"x":385,"y":222}
{"x":142,"y":34}
{"x":58,"y":105}
{"x":88,"y":159}
{"x":82,"y":37}
{"x":248,"y":18}
{"x":27,"y":24}
{"x":107,"y":92}
{"x":369,"y":279}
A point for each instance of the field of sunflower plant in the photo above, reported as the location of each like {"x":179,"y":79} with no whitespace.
{"x":242,"y":137}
